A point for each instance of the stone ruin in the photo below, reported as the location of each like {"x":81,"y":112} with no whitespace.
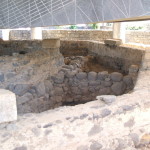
{"x":42,"y":78}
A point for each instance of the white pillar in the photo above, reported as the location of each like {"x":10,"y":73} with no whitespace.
{"x":5,"y":34}
{"x":36,"y":33}
{"x":119,"y":31}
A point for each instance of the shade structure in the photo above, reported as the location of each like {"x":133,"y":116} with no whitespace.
{"x":38,"y":13}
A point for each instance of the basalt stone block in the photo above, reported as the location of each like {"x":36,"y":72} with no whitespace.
{"x":51,"y":43}
{"x":81,"y":75}
{"x":59,"y":78}
{"x":2,"y":77}
{"x":118,"y":88}
{"x":116,"y":76}
{"x":102,"y":75}
{"x":105,"y":91}
{"x":106,"y":83}
{"x":21,"y":89}
{"x":76,"y":90}
{"x":40,"y":89}
{"x":48,"y":86}
{"x":92,"y":76}
{"x":94,"y":83}
{"x":58,"y":91}
{"x":128,"y":80}
{"x":8,"y":109}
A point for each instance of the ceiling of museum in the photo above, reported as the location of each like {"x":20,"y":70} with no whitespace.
{"x":36,"y":13}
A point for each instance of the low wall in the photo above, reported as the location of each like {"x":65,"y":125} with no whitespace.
{"x":119,"y":58}
{"x":23,"y":74}
{"x":97,"y":35}
{"x":142,"y":37}
{"x":16,"y":46}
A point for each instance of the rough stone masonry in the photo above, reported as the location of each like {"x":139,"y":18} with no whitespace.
{"x":41,"y":80}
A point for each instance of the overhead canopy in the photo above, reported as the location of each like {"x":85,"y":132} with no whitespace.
{"x":38,"y":13}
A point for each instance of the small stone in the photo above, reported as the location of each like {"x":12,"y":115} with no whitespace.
{"x":95,"y":146}
{"x":68,"y":118}
{"x":102,"y":75}
{"x":127,"y":107}
{"x":83,"y":147}
{"x":118,"y":88}
{"x":48,"y":125}
{"x":135,"y":138}
{"x":11,"y":127}
{"x":92,"y":76}
{"x":21,"y":89}
{"x":128,"y":80}
{"x":36,"y":131}
{"x":59,"y":91}
{"x":47,"y":132}
{"x":20,"y":148}
{"x":59,"y":78}
{"x":10,"y":75}
{"x":2,"y":77}
{"x":74,"y":119}
{"x":129,"y":123}
{"x":22,"y":100}
{"x":92,"y":89}
{"x":105,"y":113}
{"x":108,"y":99}
{"x":81,"y":75}
{"x":40,"y":88}
{"x":95,"y":130}
{"x":83,"y":116}
{"x":122,"y":144}
{"x":116,"y":76}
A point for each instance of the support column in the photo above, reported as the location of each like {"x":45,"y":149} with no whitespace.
{"x":36,"y":33}
{"x":119,"y":31}
{"x":5,"y":34}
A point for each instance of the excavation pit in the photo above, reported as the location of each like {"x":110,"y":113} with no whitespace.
{"x":45,"y":77}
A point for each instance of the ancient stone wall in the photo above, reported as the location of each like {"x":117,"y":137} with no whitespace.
{"x":25,"y":73}
{"x":96,"y":35}
{"x":41,"y":81}
{"x":120,"y":57}
{"x":17,"y":46}
{"x":142,"y":37}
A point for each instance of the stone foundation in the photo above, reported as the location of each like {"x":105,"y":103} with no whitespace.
{"x":118,"y":58}
{"x":35,"y":72}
